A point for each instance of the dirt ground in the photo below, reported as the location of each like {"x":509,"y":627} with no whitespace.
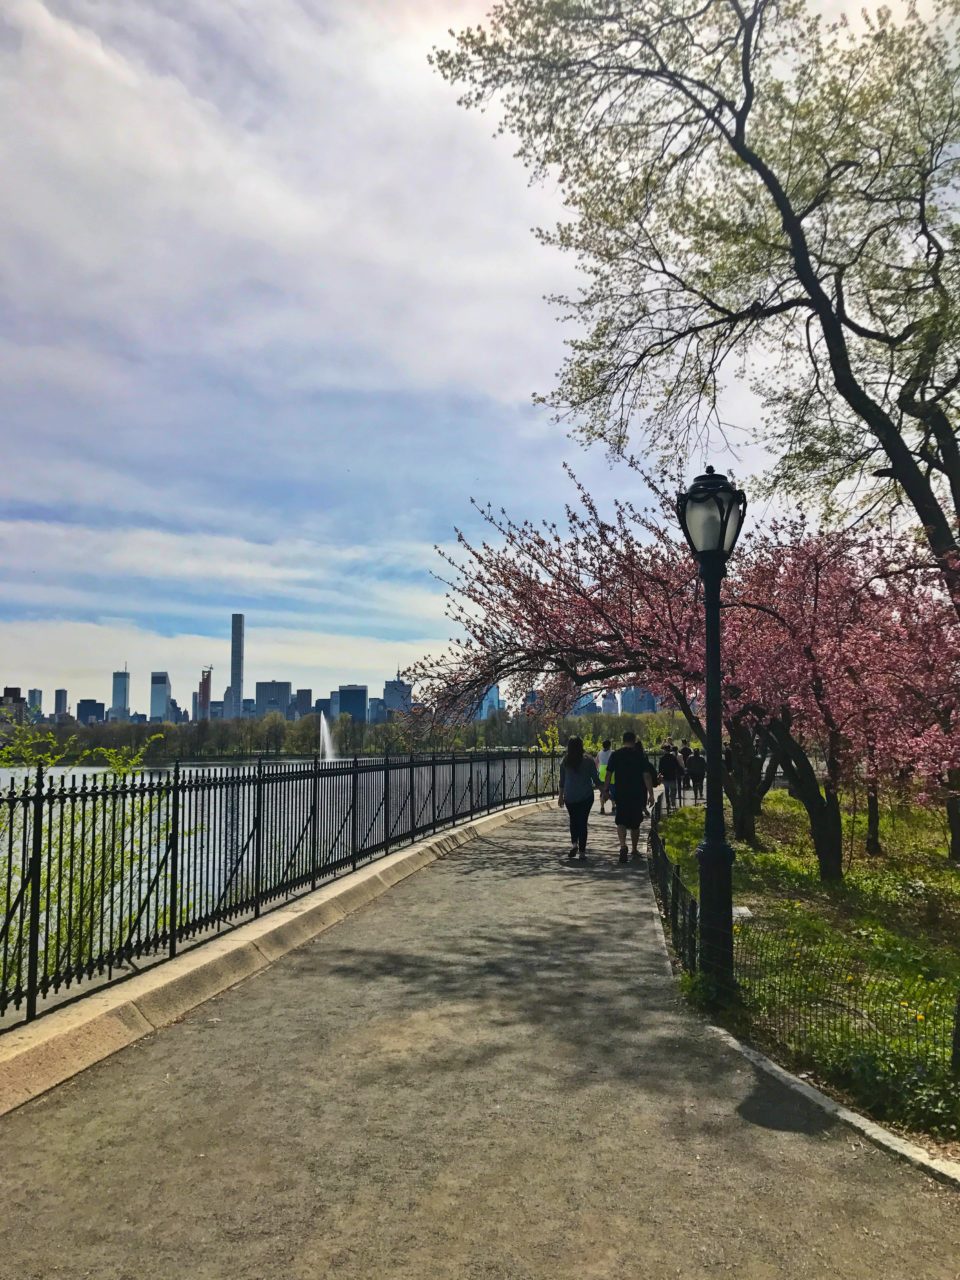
{"x":484,"y":1075}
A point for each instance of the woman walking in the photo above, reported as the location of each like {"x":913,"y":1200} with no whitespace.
{"x":578,"y":778}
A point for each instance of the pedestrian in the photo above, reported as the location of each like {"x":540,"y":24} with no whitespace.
{"x":685,"y":754}
{"x":578,"y":778}
{"x":603,"y":757}
{"x":629,"y":770}
{"x":671,"y":770}
{"x":697,"y":770}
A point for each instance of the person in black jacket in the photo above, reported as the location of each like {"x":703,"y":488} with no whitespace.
{"x":671,"y":771}
{"x":697,"y":771}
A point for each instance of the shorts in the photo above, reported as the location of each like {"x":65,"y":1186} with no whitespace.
{"x":630,"y":813}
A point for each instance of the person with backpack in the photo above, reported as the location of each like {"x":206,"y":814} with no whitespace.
{"x":578,"y":779}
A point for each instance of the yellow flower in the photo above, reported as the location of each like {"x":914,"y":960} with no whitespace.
{"x":920,"y":1017}
{"x":904,"y":1004}
{"x":849,"y":977}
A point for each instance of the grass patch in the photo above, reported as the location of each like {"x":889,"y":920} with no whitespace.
{"x":858,"y":980}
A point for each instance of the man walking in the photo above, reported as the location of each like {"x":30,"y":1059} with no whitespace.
{"x":671,"y":771}
{"x":629,"y":770}
{"x":603,"y":759}
{"x":697,"y":769}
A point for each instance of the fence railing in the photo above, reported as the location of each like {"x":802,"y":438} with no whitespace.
{"x":99,"y":871}
{"x":893,"y":1040}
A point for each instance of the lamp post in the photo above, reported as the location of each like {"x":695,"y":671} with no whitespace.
{"x":711,"y":515}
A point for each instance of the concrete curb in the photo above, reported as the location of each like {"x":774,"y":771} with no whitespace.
{"x":37,"y":1057}
{"x":946,"y":1171}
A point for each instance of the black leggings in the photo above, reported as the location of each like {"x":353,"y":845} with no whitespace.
{"x":578,"y":813}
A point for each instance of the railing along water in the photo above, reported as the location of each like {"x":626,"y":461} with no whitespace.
{"x":102,"y":871}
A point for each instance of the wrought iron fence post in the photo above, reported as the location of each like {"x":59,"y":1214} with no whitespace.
{"x":503,"y":779}
{"x":257,"y":837}
{"x":354,"y":814}
{"x":315,"y":822}
{"x":433,"y":790}
{"x":536,"y":774}
{"x":692,"y":936}
{"x":486,"y":798}
{"x":33,"y":939}
{"x":386,"y":803}
{"x":470,"y":782}
{"x":413,"y":812}
{"x":174,"y":859}
{"x":955,"y":1056}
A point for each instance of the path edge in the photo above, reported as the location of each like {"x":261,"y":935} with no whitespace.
{"x":36,"y":1057}
{"x":945,"y":1171}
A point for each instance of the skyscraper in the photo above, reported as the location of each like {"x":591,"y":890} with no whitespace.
{"x":159,"y":697}
{"x":203,"y":694}
{"x":397,"y":696}
{"x":89,"y":711}
{"x":610,"y":705}
{"x":304,"y":702}
{"x":35,"y":700}
{"x":59,"y":702}
{"x":235,"y":709}
{"x":120,"y":698}
{"x":353,"y":702}
{"x":273,"y":695}
{"x":635,"y":701}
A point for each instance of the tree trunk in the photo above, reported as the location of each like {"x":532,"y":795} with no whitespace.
{"x":822,"y":804}
{"x":953,"y":815}
{"x":874,"y":848}
{"x":745,"y":821}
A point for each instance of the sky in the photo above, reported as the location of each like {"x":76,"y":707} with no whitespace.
{"x":271,"y":313}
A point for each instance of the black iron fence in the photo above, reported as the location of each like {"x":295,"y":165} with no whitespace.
{"x":893,"y":1040}
{"x":100,"y":871}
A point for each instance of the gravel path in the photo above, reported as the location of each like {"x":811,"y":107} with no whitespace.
{"x":485,"y":1074}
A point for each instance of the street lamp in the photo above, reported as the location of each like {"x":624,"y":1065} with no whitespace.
{"x":711,"y":515}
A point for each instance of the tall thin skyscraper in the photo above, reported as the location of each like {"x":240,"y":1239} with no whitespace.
{"x":235,"y":710}
{"x":120,"y":699}
{"x":59,"y":702}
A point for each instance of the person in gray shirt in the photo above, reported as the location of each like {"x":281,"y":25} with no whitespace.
{"x":578,"y":780}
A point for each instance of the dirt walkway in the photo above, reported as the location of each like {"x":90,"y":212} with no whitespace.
{"x":484,"y":1074}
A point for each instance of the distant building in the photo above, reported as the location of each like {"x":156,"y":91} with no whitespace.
{"x":159,"y":697}
{"x":304,"y":702}
{"x":532,"y":699}
{"x":59,"y":702}
{"x":216,"y":710}
{"x":634,"y":702}
{"x":203,"y":694}
{"x":89,"y":711}
{"x":273,"y":695}
{"x":120,"y":697}
{"x":353,"y":702}
{"x":233,"y":705}
{"x":249,"y":708}
{"x":13,"y":706}
{"x":585,"y":705}
{"x":377,"y":711}
{"x":322,"y":707}
{"x":35,"y":700}
{"x":397,"y":696}
{"x":490,"y":703}
{"x":610,"y":704}
{"x":335,"y":704}
{"x":194,"y":706}
{"x":137,"y":717}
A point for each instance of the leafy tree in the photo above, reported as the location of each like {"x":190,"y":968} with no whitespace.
{"x":752,"y":191}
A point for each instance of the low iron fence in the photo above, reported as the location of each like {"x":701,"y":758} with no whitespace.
{"x":101,"y":870}
{"x":893,"y":1040}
